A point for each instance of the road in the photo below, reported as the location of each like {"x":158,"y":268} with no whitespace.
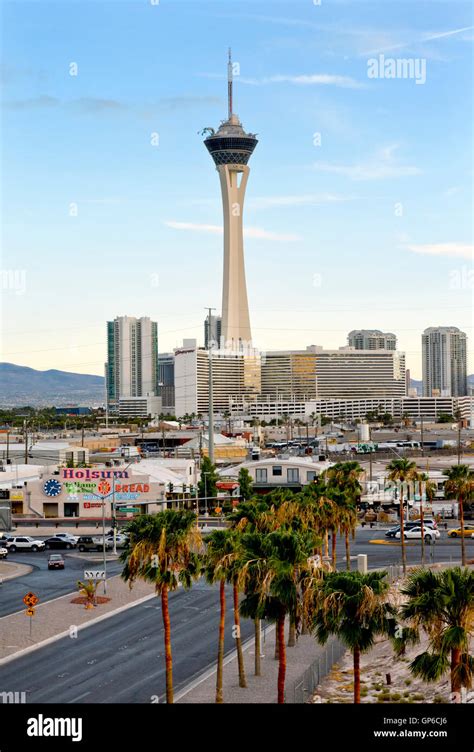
{"x":48,"y":584}
{"x":122,"y":658}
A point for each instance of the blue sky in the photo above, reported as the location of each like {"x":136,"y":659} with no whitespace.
{"x":368,"y":225}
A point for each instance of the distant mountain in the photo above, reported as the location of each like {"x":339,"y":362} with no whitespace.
{"x":20,"y":385}
{"x":418,"y":385}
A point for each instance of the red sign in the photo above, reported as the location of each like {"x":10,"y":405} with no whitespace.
{"x":92,"y":504}
{"x":104,"y":487}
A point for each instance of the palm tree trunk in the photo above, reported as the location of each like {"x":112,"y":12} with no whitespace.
{"x":257,"y":648}
{"x":220,"y":648}
{"x":168,"y":658}
{"x":292,"y":633}
{"x":348,"y":552}
{"x":326,"y":545}
{"x":277,"y":646}
{"x":282,"y":657}
{"x":402,"y":536}
{"x":333,"y":548}
{"x":357,"y":676}
{"x":455,"y":683}
{"x":463,"y":543}
{"x":238,"y":639}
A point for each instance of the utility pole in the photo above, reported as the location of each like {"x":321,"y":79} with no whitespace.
{"x":25,"y":425}
{"x":459,"y":441}
{"x":422,"y":437}
{"x":8,"y":445}
{"x":82,"y":434}
{"x":211,"y":400}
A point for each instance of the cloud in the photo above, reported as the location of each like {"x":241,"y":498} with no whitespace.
{"x":304,"y":79}
{"x":382,"y":166}
{"x":462,"y":250}
{"x":257,"y":233}
{"x":34,"y":103}
{"x":268,"y":202}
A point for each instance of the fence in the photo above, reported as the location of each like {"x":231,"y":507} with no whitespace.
{"x":303,"y":689}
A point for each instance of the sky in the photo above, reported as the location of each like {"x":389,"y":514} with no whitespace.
{"x":358,"y":210}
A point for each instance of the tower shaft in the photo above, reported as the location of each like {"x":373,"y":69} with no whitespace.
{"x":236,"y":332}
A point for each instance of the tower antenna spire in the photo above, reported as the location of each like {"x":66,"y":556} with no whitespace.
{"x":229,"y":83}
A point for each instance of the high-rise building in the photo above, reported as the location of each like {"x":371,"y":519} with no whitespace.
{"x":233,"y":373}
{"x":231,"y":148}
{"x":372,"y":339}
{"x":346,"y":373}
{"x":444,"y":355}
{"x":132,"y":359}
{"x":215,"y":333}
{"x":166,"y":381}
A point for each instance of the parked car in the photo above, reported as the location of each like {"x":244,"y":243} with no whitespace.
{"x":88,"y":543}
{"x":3,"y":552}
{"x":121,"y":540}
{"x":55,"y":561}
{"x":392,"y":533}
{"x":67,"y":536}
{"x":456,"y":532}
{"x":24,"y":543}
{"x":430,"y":534}
{"x":57,"y":542}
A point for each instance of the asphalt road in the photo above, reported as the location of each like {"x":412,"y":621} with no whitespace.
{"x":122,"y":658}
{"x":48,"y":584}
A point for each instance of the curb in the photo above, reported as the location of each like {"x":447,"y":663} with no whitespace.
{"x":27,"y":570}
{"x":60,"y":635}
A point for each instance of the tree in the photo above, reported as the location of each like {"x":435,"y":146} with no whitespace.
{"x":208,"y":479}
{"x":460,"y":484}
{"x":353,"y":606}
{"x":402,"y":471}
{"x":163,"y":549}
{"x":219,"y":551}
{"x":270,"y":571}
{"x":245,"y":484}
{"x":429,"y":491}
{"x":442,"y":604}
{"x":343,"y":477}
{"x":446,"y":418}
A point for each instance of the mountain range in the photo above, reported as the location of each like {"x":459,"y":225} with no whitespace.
{"x":23,"y":386}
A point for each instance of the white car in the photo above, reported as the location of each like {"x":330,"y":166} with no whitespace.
{"x":24,"y":543}
{"x":120,"y":540}
{"x":3,"y":552}
{"x":430,"y":533}
{"x":67,"y":536}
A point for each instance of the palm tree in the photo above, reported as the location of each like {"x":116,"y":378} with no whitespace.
{"x":460,"y":484}
{"x":271,"y":568}
{"x":219,"y":550}
{"x":344,"y":478}
{"x":402,"y":471}
{"x":163,"y":549}
{"x":354,"y":607}
{"x":442,"y":604}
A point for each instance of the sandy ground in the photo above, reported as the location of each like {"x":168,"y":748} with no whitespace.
{"x":338,"y":686}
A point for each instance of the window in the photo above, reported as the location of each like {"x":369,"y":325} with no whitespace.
{"x":277,"y":470}
{"x":261,"y":475}
{"x":293,"y":475}
{"x":310,"y":475}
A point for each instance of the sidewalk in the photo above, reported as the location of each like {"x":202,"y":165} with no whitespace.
{"x":9,"y":570}
{"x":260,"y":689}
{"x":56,"y":618}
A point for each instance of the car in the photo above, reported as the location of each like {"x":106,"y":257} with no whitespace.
{"x":121,"y":540}
{"x":456,"y":532}
{"x":89,"y":543}
{"x":3,"y":552}
{"x":429,"y":533}
{"x":24,"y":543}
{"x":57,"y":542}
{"x":409,"y":525}
{"x":67,"y":536}
{"x":55,"y":561}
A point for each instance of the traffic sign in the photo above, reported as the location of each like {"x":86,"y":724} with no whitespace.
{"x":30,"y":600}
{"x":30,"y":611}
{"x":94,"y":574}
{"x":128,"y":509}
